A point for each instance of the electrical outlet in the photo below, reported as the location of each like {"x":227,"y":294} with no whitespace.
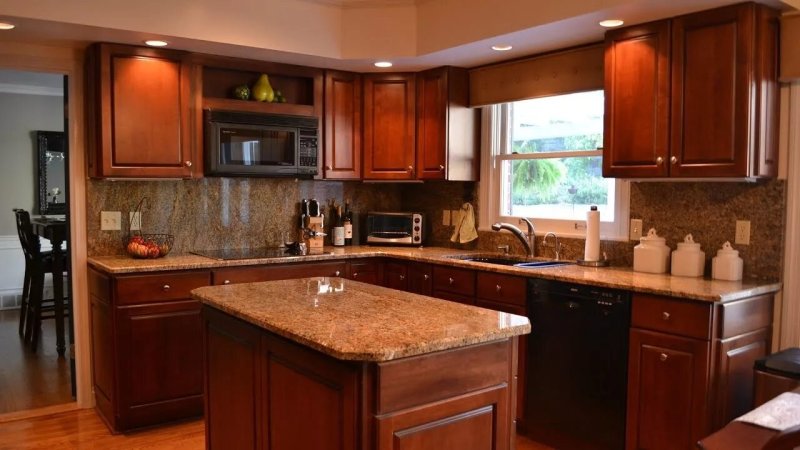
{"x":110,"y":220}
{"x":135,"y":219}
{"x":446,"y":217}
{"x":636,"y":229}
{"x":742,"y":232}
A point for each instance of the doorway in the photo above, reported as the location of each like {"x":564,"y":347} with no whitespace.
{"x":34,"y":177}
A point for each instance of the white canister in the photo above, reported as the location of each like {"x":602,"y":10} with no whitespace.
{"x":652,"y":254}
{"x":688,"y":260}
{"x":727,"y":265}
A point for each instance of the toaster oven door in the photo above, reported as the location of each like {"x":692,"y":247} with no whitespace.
{"x":390,"y":229}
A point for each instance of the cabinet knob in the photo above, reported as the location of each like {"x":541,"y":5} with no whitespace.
{"x":355,"y":274}
{"x":402,"y":277}
{"x":425,"y":277}
{"x":410,"y":168}
{"x":659,"y":161}
{"x":663,"y":357}
{"x":673,"y":160}
{"x":451,"y":280}
{"x":498,"y":288}
{"x":665,"y":315}
{"x":328,"y":167}
{"x":441,"y":168}
{"x":165,"y":287}
{"x":336,"y":274}
{"x":226,"y":282}
{"x":187,"y":163}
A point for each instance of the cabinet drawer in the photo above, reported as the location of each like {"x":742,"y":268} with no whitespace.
{"x":501,"y":288}
{"x":160,"y":287}
{"x":456,"y":281}
{"x":685,"y":318}
{"x":254,"y":274}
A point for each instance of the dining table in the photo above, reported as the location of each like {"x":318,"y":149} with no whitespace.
{"x":55,"y":230}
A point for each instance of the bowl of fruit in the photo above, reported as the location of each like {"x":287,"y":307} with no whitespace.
{"x":149,"y":245}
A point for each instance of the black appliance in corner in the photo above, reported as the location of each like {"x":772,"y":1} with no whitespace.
{"x":577,"y":365}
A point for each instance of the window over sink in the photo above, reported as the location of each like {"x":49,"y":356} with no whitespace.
{"x":543,"y":160}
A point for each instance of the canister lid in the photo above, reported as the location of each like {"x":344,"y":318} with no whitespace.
{"x":652,"y":238}
{"x":727,"y":250}
{"x":689,"y":244}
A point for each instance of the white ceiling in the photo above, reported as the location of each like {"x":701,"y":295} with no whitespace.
{"x":343,"y":34}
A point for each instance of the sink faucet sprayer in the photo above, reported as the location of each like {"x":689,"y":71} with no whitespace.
{"x":528,"y":240}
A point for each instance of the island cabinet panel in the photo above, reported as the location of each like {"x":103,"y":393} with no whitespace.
{"x":342,"y":125}
{"x":451,"y":283}
{"x":146,"y":361}
{"x":140,"y":112}
{"x":389,"y":126}
{"x":420,"y":278}
{"x":266,"y":392}
{"x":396,"y":275}
{"x":269,"y":272}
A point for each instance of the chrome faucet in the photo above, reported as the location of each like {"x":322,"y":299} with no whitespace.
{"x":527,"y":240}
{"x":556,"y":245}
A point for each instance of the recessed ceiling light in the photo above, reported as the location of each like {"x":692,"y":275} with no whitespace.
{"x":502,"y":48}
{"x":156,"y":43}
{"x":6,"y":26}
{"x":611,"y":23}
{"x":383,"y":64}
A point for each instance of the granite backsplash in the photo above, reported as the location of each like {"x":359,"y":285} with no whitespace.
{"x":242,"y":212}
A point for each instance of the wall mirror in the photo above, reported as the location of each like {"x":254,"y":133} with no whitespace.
{"x":52,"y":172}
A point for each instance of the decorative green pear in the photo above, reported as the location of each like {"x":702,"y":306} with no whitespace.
{"x":262,"y":90}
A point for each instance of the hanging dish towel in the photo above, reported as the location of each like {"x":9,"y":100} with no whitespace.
{"x":465,"y":225}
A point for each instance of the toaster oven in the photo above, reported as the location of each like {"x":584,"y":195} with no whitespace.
{"x":395,"y":228}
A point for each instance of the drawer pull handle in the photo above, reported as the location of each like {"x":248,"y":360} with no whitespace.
{"x":165,"y":287}
{"x":498,"y":288}
{"x":659,"y":161}
{"x":673,"y":160}
{"x":402,"y":277}
{"x":328,"y":167}
{"x":441,"y":168}
{"x":355,"y":274}
{"x":663,"y":357}
{"x":226,"y":282}
{"x":665,"y":315}
{"x":425,"y":277}
{"x":187,"y":163}
{"x":451,"y":280}
{"x":336,"y":273}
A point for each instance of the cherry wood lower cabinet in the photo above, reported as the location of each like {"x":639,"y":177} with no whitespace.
{"x":265,"y":392}
{"x":690,"y":367}
{"x":146,"y":347}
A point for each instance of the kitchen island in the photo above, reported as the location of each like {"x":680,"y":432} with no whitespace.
{"x":329,"y":363}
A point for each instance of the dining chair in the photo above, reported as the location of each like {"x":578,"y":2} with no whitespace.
{"x":34,"y":307}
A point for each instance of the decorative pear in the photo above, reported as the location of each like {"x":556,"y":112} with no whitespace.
{"x":262,"y":90}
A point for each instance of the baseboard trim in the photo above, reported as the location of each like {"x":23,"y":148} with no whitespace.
{"x":39,"y":412}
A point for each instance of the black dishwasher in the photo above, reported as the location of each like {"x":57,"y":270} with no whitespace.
{"x":577,"y":365}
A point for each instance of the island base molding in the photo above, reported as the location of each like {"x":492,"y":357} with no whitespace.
{"x":266,"y":392}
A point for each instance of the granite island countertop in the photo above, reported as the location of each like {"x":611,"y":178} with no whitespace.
{"x":702,"y":289}
{"x":354,"y":321}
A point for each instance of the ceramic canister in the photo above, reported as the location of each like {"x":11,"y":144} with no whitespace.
{"x":727,"y":265}
{"x":688,"y":260}
{"x":652,"y":254}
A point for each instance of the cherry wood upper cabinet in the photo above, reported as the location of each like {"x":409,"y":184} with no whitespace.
{"x":139,"y":112}
{"x":724,"y":93}
{"x":342,"y":132}
{"x":389,"y":126}
{"x":636,"y":131}
{"x":718,"y":96}
{"x":446,"y":126}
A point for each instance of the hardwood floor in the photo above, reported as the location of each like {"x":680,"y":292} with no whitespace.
{"x":30,"y":380}
{"x":83,"y":429}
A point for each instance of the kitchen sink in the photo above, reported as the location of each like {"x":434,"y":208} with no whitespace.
{"x":508,"y":261}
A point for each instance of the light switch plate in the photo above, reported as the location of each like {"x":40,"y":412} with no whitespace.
{"x":110,"y":220}
{"x":135,"y":219}
{"x":636,"y":229}
{"x":742,"y":232}
{"x":446,"y":217}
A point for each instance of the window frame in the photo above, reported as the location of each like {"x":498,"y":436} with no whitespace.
{"x":495,"y":133}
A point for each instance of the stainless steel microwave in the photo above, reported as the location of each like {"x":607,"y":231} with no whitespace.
{"x":395,"y":228}
{"x":260,"y":145}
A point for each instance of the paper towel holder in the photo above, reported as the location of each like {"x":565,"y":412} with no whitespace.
{"x":599,"y":263}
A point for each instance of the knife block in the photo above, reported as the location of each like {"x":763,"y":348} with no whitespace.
{"x":316,"y":224}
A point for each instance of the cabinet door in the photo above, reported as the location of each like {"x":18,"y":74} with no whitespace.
{"x":636,"y":131}
{"x":420,"y":280}
{"x":142,"y":113}
{"x":342,"y":125}
{"x":389,"y":126}
{"x":366,"y":271}
{"x":712,"y":90}
{"x":159,"y":353}
{"x":395,"y":275}
{"x":667,"y":391}
{"x":446,"y":126}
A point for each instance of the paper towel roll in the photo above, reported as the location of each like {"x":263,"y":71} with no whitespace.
{"x":591,"y":251}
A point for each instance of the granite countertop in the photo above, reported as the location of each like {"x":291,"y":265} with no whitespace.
{"x":350,"y":320}
{"x":613,"y":277}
